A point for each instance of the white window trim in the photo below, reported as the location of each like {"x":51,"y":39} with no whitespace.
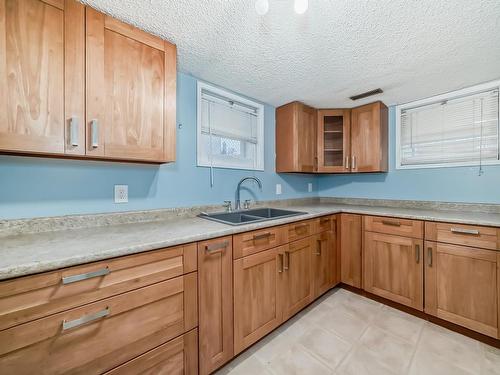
{"x":438,"y":98}
{"x":237,"y":98}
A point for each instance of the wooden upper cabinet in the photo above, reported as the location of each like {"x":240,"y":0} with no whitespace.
{"x":296,"y":138}
{"x":42,"y":76}
{"x":369,"y":132}
{"x":334,"y":140}
{"x":130,"y":92}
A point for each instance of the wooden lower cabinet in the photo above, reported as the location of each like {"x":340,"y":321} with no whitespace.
{"x":393,"y":268}
{"x":324,"y":262}
{"x":297,"y":269}
{"x":258,"y":296}
{"x":177,"y":357}
{"x":215,"y":267}
{"x":462,"y":286}
{"x":350,"y":249}
{"x":100,"y":336}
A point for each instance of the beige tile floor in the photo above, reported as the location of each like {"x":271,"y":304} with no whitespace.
{"x":344,"y":333}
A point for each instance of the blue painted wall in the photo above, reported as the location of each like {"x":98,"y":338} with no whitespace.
{"x":32,"y":187}
{"x":439,"y":184}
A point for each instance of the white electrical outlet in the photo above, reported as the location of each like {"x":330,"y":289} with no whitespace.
{"x":121,"y":193}
{"x":278,"y":189}
{"x":310,"y":187}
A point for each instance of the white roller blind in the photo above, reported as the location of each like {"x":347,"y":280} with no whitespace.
{"x":458,"y":131}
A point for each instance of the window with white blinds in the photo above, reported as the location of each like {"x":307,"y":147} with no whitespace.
{"x":456,"y":129}
{"x":230,"y":130}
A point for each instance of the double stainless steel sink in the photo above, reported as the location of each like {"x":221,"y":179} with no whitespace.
{"x":249,"y":216}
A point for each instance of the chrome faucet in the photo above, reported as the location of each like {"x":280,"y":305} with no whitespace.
{"x":238,"y":188}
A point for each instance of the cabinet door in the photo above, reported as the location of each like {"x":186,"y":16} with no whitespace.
{"x":306,"y":139}
{"x":130,"y":91}
{"x":369,"y":138}
{"x":334,"y":140}
{"x":393,"y":268}
{"x":258,"y":281}
{"x":323,"y":262}
{"x":298,"y":282}
{"x":350,"y":249}
{"x":215,"y":300}
{"x":42,"y":58}
{"x":461,"y":286}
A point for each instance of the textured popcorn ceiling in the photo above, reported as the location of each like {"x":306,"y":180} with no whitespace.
{"x":409,"y":48}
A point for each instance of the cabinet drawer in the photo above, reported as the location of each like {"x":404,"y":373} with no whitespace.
{"x":102,"y":335}
{"x":460,"y":234}
{"x":301,"y":229}
{"x":252,"y":242}
{"x":326,"y":223}
{"x":178,"y":356}
{"x":396,"y":226}
{"x":32,"y":297}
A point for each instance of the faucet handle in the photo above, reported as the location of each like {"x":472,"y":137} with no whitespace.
{"x":246,"y":204}
{"x":228,"y":205}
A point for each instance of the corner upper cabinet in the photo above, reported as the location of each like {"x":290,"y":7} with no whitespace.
{"x":131,"y":88}
{"x":369,"y":138}
{"x":42,"y":84}
{"x":296,"y":138}
{"x":334,"y":140}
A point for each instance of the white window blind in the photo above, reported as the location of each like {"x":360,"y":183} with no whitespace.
{"x":230,"y":130}
{"x":452,"y":132}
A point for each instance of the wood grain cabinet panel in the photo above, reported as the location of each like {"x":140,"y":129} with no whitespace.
{"x":129,"y":92}
{"x":463,"y":234}
{"x":32,"y":297}
{"x":258,"y":240}
{"x":334,"y":140}
{"x":369,"y":147}
{"x":298,"y":280}
{"x":461,"y":286}
{"x":396,"y":226}
{"x":350,"y":249}
{"x":41,"y":76}
{"x":215,"y":267}
{"x":302,"y":229}
{"x":99,"y":336}
{"x":393,"y":268}
{"x":178,"y":356}
{"x":296,"y":138}
{"x":324,"y":262}
{"x":258,"y":294}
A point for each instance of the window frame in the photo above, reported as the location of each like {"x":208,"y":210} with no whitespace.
{"x":259,"y":152}
{"x":439,"y":98}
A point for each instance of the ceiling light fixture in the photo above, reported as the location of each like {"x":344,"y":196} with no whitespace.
{"x":262,"y":7}
{"x":301,"y":6}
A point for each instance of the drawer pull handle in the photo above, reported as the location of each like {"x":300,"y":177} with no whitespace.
{"x":286,"y":264}
{"x":300,"y":226}
{"x":216,"y":247}
{"x":280,"y":268}
{"x":318,"y":251}
{"x":391,"y":223}
{"x":68,"y":324}
{"x":261,"y":236}
{"x":429,"y":256}
{"x":473,"y":232}
{"x":84,"y":276}
{"x":417,"y":253}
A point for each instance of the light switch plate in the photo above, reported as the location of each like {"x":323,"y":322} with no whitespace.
{"x":310,"y":187}
{"x":121,"y":193}
{"x":278,"y":189}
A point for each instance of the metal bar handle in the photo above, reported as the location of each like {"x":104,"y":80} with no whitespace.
{"x":85,"y":276}
{"x":216,"y":247}
{"x":354,"y":166}
{"x":347,"y":162}
{"x":318,"y":249}
{"x":417,"y":253}
{"x":261,"y":236}
{"x":392,"y":223}
{"x":286,"y":264}
{"x":68,"y":324}
{"x":473,"y":232}
{"x":429,"y":256}
{"x":94,"y":133}
{"x":280,"y":262}
{"x":73,"y":131}
{"x":324,"y":220}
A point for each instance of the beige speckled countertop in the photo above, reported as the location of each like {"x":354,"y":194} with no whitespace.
{"x":29,"y":253}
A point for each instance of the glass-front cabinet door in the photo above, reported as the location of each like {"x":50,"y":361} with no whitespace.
{"x":334,"y":140}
